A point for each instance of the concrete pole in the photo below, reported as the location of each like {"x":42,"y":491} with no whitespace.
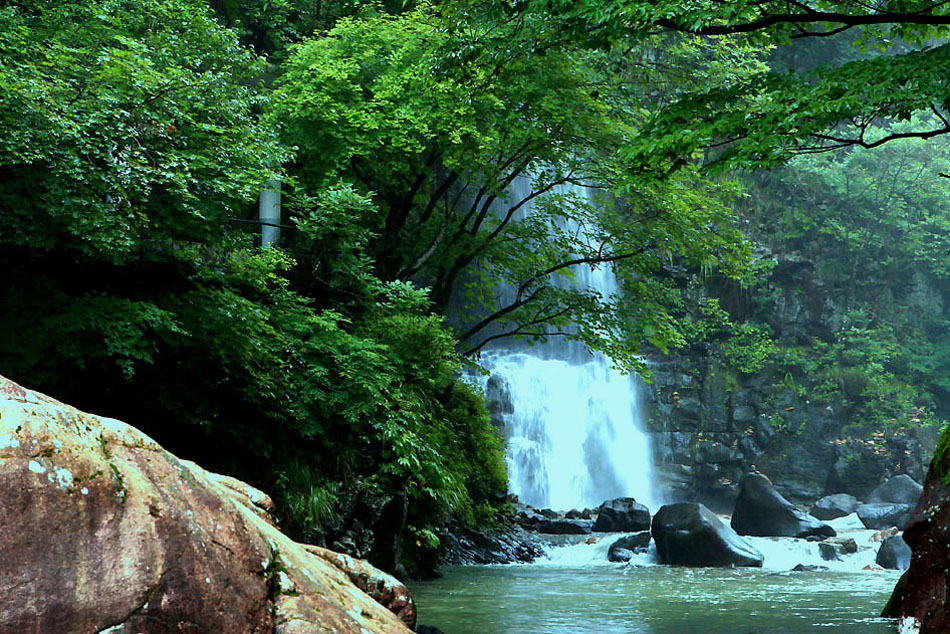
{"x":269,"y":213}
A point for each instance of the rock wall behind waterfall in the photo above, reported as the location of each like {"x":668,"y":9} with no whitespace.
{"x":710,"y":424}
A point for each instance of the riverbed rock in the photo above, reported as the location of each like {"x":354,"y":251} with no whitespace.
{"x":626,"y":547}
{"x":901,"y":489}
{"x":843,"y":545}
{"x":828,"y":551}
{"x":763,"y":512}
{"x":925,"y":595}
{"x":894,"y":554}
{"x":563,"y":526}
{"x":103,"y":530}
{"x":834,"y":506}
{"x":622,"y":515}
{"x":503,"y":545}
{"x":884,"y":515}
{"x":689,"y":534}
{"x":809,"y":568}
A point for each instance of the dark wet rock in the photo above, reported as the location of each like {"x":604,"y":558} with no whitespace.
{"x":894,"y":554}
{"x":925,"y":596}
{"x":562,"y":526}
{"x":834,"y":506}
{"x":901,"y":489}
{"x":828,"y":551}
{"x":883,"y":515}
{"x":575,"y":514}
{"x":625,"y":548}
{"x":763,"y":512}
{"x":622,"y":515}
{"x":843,"y":545}
{"x":689,"y":534}
{"x":427,"y":629}
{"x":893,"y":608}
{"x":809,"y":568}
{"x":511,"y":544}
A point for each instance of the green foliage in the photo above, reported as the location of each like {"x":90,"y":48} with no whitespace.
{"x":133,"y":134}
{"x":746,"y":347}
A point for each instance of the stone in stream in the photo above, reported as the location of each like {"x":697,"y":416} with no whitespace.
{"x":428,"y":629}
{"x":894,"y":554}
{"x":625,"y":548}
{"x":107,"y":531}
{"x":901,"y":489}
{"x":828,"y":551}
{"x":809,"y":568}
{"x":622,"y":515}
{"x":843,"y":545}
{"x":885,"y":515}
{"x":563,"y":526}
{"x":761,"y":511}
{"x":689,"y":534}
{"x":834,"y":506}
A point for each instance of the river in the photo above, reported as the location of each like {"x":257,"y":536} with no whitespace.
{"x":576,"y":590}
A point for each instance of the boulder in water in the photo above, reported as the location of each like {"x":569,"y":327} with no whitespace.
{"x":884,"y":515}
{"x":828,"y":551}
{"x":763,"y":512}
{"x":809,"y":568}
{"x":622,"y":515}
{"x":894,"y":554}
{"x":689,"y":534}
{"x":562,"y":526}
{"x":843,"y":545}
{"x":901,"y":489}
{"x":834,"y":506}
{"x":625,"y":548}
{"x":107,"y":531}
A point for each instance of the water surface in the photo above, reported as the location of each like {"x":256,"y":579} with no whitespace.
{"x":615,"y":599}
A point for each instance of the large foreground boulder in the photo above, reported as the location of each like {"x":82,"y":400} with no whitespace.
{"x":901,"y":489}
{"x":834,"y":506}
{"x":885,"y":515}
{"x":622,"y":515}
{"x":105,"y":531}
{"x":924,"y":600}
{"x":763,"y":512}
{"x":689,"y":534}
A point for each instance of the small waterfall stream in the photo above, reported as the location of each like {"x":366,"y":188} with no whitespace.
{"x":574,"y":429}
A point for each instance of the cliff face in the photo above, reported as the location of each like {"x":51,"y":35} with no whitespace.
{"x":805,"y":425}
{"x":103,"y":530}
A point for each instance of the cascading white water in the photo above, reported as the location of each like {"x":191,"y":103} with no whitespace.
{"x":574,"y":430}
{"x":573,"y":435}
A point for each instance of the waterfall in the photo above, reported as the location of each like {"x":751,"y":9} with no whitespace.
{"x":572,"y":424}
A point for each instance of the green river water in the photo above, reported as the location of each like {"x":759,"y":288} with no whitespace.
{"x":617,"y":599}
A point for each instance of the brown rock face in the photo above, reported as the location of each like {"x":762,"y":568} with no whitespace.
{"x":102,"y":530}
{"x":924,"y":597}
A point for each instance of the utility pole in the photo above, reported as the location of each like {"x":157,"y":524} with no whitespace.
{"x":269,"y":213}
